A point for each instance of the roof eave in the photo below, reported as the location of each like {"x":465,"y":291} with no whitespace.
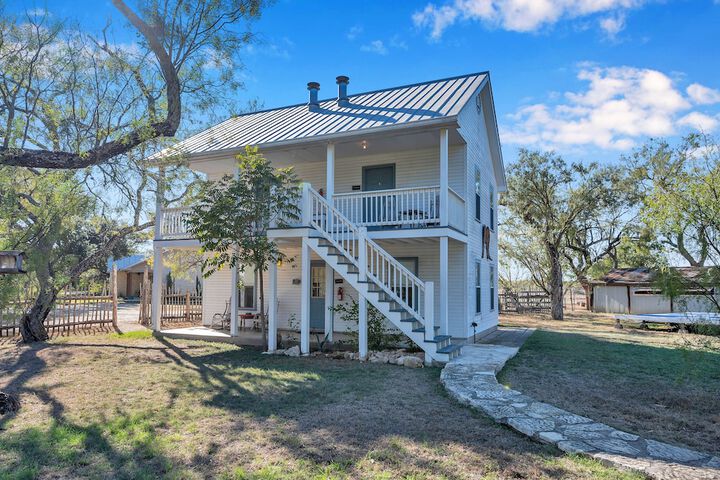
{"x":450,"y":120}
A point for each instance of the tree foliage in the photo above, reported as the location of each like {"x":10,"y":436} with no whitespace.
{"x":232,"y":216}
{"x":71,"y":99}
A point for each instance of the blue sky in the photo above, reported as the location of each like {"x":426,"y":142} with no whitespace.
{"x":591,"y":79}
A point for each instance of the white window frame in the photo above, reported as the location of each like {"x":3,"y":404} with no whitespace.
{"x":478,"y":195}
{"x":241,"y":292}
{"x":491,"y":276}
{"x":478,"y":286}
{"x":493,"y":219}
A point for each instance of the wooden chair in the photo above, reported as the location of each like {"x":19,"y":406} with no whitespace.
{"x":222,"y":318}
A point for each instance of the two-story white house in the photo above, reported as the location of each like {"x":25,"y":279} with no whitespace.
{"x":399,"y":210}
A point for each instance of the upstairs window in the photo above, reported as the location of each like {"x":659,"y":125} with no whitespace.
{"x":478,"y":288}
{"x":492,"y":208}
{"x":478,"y":189}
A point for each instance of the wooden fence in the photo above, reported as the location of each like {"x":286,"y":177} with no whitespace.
{"x":538,"y":301}
{"x":73,"y":309}
{"x":177,"y":308}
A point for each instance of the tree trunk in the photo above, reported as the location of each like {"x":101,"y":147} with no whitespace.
{"x":588,"y":299}
{"x":556,"y":282}
{"x":263,"y":320}
{"x":32,"y":324}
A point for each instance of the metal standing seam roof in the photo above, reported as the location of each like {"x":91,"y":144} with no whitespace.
{"x":403,"y":105}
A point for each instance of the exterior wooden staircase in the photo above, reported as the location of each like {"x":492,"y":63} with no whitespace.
{"x":406,"y":300}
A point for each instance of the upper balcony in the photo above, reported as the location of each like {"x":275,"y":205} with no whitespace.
{"x":400,"y":208}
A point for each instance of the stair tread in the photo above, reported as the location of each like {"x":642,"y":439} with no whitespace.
{"x":439,"y":338}
{"x":450,"y":348}
{"x":422,"y":329}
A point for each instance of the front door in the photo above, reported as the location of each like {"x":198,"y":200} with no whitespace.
{"x":317,"y":295}
{"x":380,"y":177}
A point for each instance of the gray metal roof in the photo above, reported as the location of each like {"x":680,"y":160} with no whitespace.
{"x":405,"y":105}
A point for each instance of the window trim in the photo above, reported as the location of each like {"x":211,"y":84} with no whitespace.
{"x":255,"y":294}
{"x":478,"y":195}
{"x":491,"y":278}
{"x":492,"y":210}
{"x":478,"y":287}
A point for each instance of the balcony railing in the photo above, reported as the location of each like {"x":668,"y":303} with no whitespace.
{"x":415,"y":207}
{"x":173,"y":224}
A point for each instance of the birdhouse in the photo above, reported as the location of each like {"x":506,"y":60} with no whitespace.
{"x":11,"y":262}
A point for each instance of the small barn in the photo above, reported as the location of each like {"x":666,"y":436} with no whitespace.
{"x":130,"y":274}
{"x":632,"y":290}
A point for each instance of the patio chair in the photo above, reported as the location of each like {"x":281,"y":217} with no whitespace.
{"x":222,"y":318}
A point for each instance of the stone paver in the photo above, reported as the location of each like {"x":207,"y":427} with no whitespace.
{"x":470,"y":378}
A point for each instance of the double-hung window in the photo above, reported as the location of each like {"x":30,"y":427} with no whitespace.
{"x":246,"y":289}
{"x":478,"y":287}
{"x":478,"y":189}
{"x":491,"y":203}
{"x":492,"y":287}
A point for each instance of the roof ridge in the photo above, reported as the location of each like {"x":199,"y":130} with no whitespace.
{"x":409,"y":85}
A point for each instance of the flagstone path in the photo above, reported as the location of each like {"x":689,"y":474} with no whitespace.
{"x":470,"y":379}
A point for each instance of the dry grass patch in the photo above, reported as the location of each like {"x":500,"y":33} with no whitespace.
{"x":129,"y":407}
{"x":657,"y":383}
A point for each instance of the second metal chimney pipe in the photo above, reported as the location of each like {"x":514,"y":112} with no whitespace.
{"x":313,"y":88}
{"x":342,"y":82}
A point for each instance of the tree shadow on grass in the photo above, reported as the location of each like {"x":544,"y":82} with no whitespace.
{"x":331,"y":413}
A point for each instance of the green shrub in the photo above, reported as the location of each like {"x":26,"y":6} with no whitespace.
{"x":379,"y":336}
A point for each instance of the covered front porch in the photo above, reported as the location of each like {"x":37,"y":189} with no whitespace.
{"x":402,"y":182}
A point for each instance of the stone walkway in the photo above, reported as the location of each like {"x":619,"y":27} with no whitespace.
{"x":470,"y":379}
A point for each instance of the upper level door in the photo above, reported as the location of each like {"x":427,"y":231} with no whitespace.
{"x":378,"y":209}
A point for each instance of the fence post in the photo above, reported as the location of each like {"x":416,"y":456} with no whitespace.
{"x":187,"y":306}
{"x":114,"y":295}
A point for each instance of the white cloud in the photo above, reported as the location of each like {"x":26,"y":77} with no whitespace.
{"x":699,"y":121}
{"x":613,"y":24}
{"x":520,"y":15}
{"x":354,"y":31}
{"x":619,"y":106}
{"x":376,"y":46}
{"x":38,"y":12}
{"x":703,"y":95}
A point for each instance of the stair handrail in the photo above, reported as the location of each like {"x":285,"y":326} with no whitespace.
{"x":354,"y":245}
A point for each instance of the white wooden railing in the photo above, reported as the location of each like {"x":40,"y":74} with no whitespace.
{"x":413,"y":207}
{"x":173,"y":223}
{"x":372,"y":261}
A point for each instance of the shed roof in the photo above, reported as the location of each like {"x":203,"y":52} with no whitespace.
{"x":641,"y":275}
{"x":405,"y":105}
{"x":126,"y":262}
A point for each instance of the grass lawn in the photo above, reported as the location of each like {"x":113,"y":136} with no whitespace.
{"x":132,"y":406}
{"x":659,"y":384}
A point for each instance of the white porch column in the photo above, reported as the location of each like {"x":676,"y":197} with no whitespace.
{"x":234,"y":302}
{"x":305,"y":298}
{"x":329,"y":300}
{"x":330,"y":173}
{"x":444,"y":287}
{"x":362,"y":328}
{"x":272,"y":307}
{"x":444,"y":178}
{"x":158,"y":268}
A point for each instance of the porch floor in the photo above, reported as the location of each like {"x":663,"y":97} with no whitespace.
{"x":200,"y":332}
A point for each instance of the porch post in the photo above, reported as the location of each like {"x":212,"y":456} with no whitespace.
{"x":156,"y":305}
{"x":305,"y":298}
{"x":330,"y":173}
{"x":444,"y":178}
{"x":362,"y":328}
{"x":234,"y":301}
{"x":329,"y":300}
{"x":444,"y":286}
{"x":158,"y":267}
{"x":272,"y":307}
{"x":234,"y":304}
